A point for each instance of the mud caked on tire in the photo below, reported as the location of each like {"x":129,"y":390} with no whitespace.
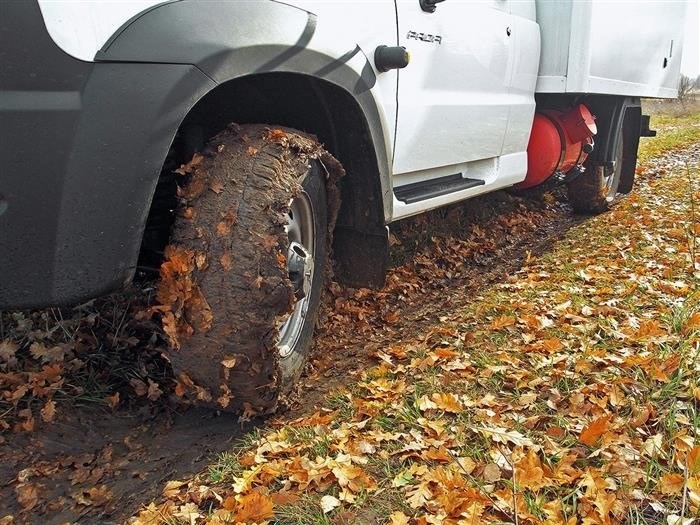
{"x":596,"y":189}
{"x":242,"y":277}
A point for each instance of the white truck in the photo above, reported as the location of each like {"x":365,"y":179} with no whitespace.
{"x":118,"y":147}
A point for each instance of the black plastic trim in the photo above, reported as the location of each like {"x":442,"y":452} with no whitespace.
{"x":82,"y":147}
{"x":419,"y":191}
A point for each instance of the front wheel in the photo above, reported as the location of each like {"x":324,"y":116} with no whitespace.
{"x":241,"y":284}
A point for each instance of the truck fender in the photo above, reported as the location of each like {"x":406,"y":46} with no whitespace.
{"x":229,"y":40}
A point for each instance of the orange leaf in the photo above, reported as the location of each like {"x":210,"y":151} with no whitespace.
{"x":254,"y":507}
{"x":530,"y":474}
{"x":671,"y":483}
{"x":448,"y":402}
{"x":591,"y":433}
{"x":502,"y":322}
{"x":693,"y":461}
{"x":49,"y":411}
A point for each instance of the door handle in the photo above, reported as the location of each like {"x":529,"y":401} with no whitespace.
{"x":429,"y":6}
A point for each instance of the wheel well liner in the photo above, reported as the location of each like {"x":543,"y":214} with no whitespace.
{"x":311,"y":105}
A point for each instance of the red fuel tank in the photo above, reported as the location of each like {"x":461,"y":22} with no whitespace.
{"x":558,"y":142}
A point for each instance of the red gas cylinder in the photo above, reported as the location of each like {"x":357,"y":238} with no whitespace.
{"x":557,"y":143}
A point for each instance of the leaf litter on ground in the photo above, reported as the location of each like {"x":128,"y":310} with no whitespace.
{"x":566,"y":394}
{"x":569,"y":393}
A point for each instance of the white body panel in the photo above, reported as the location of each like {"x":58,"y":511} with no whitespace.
{"x":367,"y":32}
{"x":496,"y":172}
{"x":453,"y":96}
{"x":464,"y":104}
{"x":611,"y":47}
{"x":82,"y":27}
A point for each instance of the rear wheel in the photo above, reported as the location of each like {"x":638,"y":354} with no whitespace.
{"x":241,"y":284}
{"x":595,"y":190}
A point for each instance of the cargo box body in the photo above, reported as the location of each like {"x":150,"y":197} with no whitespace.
{"x":586,"y":47}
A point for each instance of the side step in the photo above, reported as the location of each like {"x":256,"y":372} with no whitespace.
{"x":419,"y":191}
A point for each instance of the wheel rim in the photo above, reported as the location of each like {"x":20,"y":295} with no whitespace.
{"x":300,"y":266}
{"x":613,"y":179}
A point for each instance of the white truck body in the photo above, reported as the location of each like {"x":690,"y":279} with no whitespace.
{"x":466,"y":102}
{"x":586,"y":47}
{"x":455,"y":121}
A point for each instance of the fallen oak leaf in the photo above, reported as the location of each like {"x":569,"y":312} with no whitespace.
{"x":254,"y":507}
{"x":671,"y":483}
{"x":216,"y":186}
{"x":447,"y":402}
{"x":48,"y":355}
{"x":154,"y":391}
{"x":693,"y":461}
{"x":184,"y":169}
{"x":591,"y":433}
{"x":7,"y":351}
{"x":140,"y":387}
{"x":113,"y":400}
{"x":172,"y":488}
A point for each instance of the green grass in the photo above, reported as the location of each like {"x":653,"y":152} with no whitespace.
{"x":677,"y":126}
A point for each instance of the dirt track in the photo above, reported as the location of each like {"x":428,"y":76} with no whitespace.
{"x":93,"y":466}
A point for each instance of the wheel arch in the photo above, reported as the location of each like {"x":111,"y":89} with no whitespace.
{"x":615,"y":114}
{"x":312,"y":105}
{"x":275,"y":63}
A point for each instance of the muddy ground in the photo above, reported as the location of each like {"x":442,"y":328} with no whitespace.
{"x":96,"y":465}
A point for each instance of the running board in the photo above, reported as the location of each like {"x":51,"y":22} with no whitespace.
{"x":419,"y":191}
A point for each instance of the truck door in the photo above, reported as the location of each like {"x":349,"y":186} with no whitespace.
{"x":453,"y":97}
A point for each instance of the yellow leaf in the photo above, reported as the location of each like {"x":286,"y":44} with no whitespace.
{"x":447,"y":402}
{"x":398,"y":518}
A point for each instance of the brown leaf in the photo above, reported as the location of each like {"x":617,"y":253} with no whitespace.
{"x":113,"y":400}
{"x":49,"y":411}
{"x":48,"y":355}
{"x":154,"y":391}
{"x":225,"y":261}
{"x":191,"y":165}
{"x":284,"y":498}
{"x":223,"y":229}
{"x":139,"y":386}
{"x":7,"y":350}
{"x":276,"y":135}
{"x":27,"y":495}
{"x":492,"y":473}
{"x":216,"y":186}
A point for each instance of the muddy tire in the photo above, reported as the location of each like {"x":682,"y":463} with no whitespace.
{"x":596,"y":190}
{"x":230,"y":283}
